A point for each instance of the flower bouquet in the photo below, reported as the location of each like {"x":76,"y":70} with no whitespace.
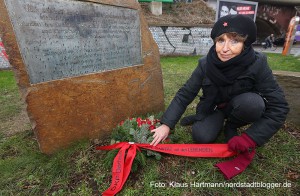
{"x":136,"y":130}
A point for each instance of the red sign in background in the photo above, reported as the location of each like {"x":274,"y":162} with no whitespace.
{"x":3,"y":56}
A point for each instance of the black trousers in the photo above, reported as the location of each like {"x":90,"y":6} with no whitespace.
{"x":241,"y":110}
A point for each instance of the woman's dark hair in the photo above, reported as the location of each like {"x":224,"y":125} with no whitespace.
{"x":233,"y":35}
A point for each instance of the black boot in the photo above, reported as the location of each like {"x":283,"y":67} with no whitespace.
{"x":231,"y":127}
{"x":230,"y":130}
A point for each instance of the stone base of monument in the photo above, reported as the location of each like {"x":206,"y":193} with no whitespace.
{"x":81,"y":66}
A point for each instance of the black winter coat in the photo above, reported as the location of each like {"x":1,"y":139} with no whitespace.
{"x":263,"y":83}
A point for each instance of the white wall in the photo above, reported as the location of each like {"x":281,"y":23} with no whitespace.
{"x":182,"y":41}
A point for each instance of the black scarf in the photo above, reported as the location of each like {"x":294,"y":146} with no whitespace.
{"x":223,"y":74}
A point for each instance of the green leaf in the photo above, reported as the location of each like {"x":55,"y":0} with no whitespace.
{"x":157,"y":156}
{"x":149,"y":139}
{"x":132,"y":131}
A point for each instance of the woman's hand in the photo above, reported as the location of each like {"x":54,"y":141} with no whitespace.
{"x":160,"y":134}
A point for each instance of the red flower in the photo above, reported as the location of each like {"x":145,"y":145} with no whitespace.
{"x":139,"y":121}
{"x":148,"y":121}
{"x":122,"y":122}
{"x":152,"y":127}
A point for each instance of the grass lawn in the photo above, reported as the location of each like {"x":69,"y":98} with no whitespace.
{"x":80,"y":170}
{"x":9,"y":96}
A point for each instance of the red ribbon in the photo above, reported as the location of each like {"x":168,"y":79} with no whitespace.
{"x":123,"y":161}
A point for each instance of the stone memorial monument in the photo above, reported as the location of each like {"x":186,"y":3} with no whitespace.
{"x":81,"y":66}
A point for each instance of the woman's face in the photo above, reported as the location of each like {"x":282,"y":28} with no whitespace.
{"x":228,"y":47}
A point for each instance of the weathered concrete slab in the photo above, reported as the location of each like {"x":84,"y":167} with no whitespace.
{"x":60,"y":39}
{"x":81,"y":66}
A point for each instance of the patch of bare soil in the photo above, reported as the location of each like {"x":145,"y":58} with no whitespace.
{"x":181,"y":14}
{"x":18,"y":123}
{"x":292,"y":129}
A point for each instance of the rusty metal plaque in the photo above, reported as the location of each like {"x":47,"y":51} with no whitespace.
{"x":62,"y":39}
